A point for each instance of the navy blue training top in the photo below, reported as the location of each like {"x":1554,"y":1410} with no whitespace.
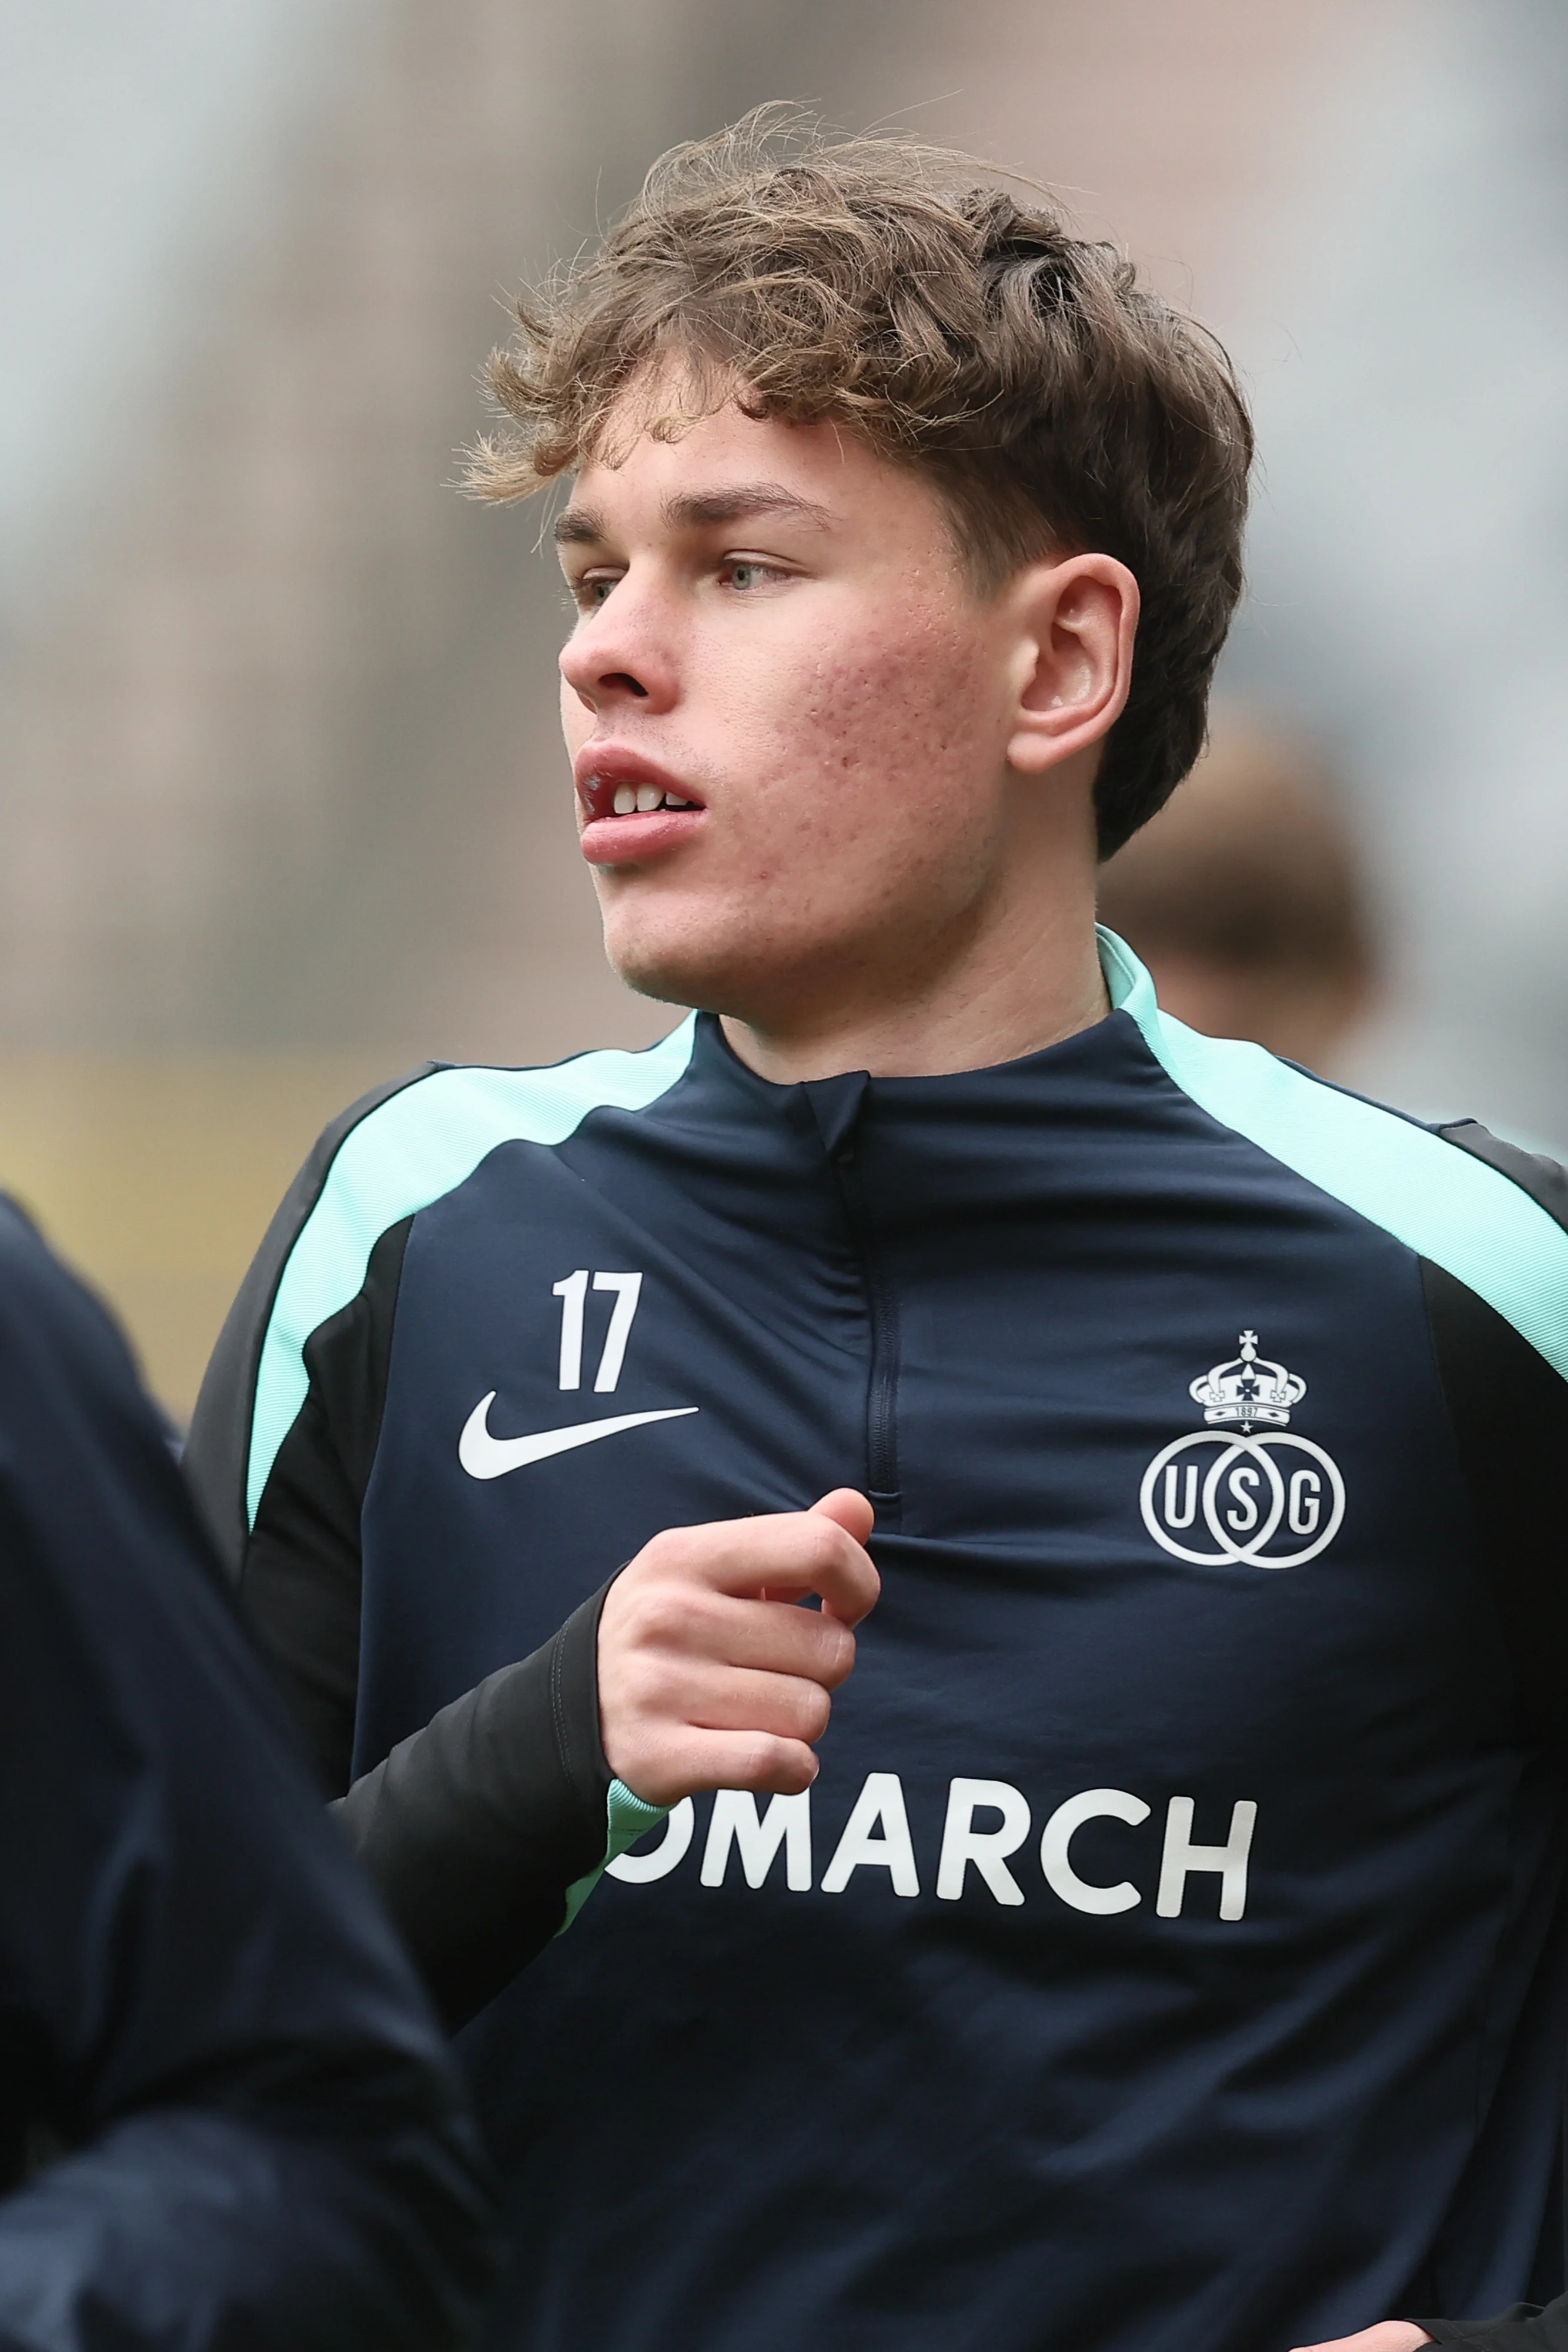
{"x":1170,"y":1952}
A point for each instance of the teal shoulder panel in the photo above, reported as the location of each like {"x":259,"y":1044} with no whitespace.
{"x":1442,"y":1202}
{"x":410,"y":1150}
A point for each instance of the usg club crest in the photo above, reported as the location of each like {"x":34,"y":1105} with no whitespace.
{"x":1255,"y":1496}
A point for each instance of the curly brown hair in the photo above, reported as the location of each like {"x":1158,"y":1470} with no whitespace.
{"x":1057,"y":405}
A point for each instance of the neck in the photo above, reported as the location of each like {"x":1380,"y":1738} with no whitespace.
{"x":1017,"y":993}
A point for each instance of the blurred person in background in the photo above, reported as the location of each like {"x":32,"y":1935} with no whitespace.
{"x":1243,"y":899}
{"x":1168,"y":1957}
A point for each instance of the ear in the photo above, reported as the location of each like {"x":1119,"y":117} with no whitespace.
{"x":1075,"y":624}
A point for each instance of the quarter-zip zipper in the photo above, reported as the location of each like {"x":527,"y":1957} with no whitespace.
{"x":882,"y":1308}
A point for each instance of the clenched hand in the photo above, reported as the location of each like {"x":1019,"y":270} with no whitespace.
{"x":709,"y":1676}
{"x":1389,"y":2335}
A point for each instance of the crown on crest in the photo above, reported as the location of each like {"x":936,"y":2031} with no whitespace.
{"x":1248,"y":1389}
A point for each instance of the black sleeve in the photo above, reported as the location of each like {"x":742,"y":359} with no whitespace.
{"x":1525,"y":2328}
{"x":1508,"y":1407}
{"x":475,"y":1828}
{"x":1510,"y":1412}
{"x":263,"y":2150}
{"x":299,"y":1571}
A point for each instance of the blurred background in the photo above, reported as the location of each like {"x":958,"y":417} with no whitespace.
{"x":281,"y":804}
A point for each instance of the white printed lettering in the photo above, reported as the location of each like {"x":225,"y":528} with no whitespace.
{"x":1242,"y":1498}
{"x":1188,"y":1512}
{"x":572,"y":1292}
{"x":880,"y":1802}
{"x":963,"y":1843}
{"x":1182,"y":1858}
{"x":1094,"y":1804}
{"x":639,"y":1869}
{"x":876,"y":1837}
{"x":1243,"y":1518}
{"x":734,"y":1821}
{"x":628,"y":1287}
{"x":1306,"y":1502}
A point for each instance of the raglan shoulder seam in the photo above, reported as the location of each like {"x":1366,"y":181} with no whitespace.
{"x":412,"y":1147}
{"x":1542,"y":1179}
{"x":1452,"y":1205}
{"x":217,"y":1443}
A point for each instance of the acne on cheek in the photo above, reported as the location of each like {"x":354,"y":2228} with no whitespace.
{"x":915,"y":706}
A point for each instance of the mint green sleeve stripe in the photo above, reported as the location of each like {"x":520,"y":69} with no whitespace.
{"x":625,"y":1819}
{"x":410,"y":1150}
{"x":1440,"y":1202}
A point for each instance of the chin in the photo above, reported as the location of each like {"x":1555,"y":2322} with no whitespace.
{"x":718,"y":973}
{"x":657,"y":969}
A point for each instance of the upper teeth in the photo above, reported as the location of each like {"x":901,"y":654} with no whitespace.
{"x":642,"y":800}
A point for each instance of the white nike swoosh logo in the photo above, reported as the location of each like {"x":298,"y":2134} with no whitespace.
{"x":485,"y":1456}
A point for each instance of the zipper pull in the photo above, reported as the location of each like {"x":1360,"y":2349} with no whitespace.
{"x":836,"y":1107}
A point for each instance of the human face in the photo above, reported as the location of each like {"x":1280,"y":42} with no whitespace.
{"x":782,"y":680}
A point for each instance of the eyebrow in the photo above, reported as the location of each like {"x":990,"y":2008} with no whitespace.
{"x":577,"y":527}
{"x":701,"y":511}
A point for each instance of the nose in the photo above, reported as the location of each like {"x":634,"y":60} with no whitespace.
{"x":618,"y":654}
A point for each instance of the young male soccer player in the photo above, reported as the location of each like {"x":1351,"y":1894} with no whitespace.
{"x":1169,"y":1956}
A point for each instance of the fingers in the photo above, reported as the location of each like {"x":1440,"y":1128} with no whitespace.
{"x":755,"y":1732}
{"x":1389,"y":2335}
{"x":728,"y":1698}
{"x":695,"y":1624}
{"x":677,"y":1666}
{"x":705,"y":1679}
{"x":666,"y":1614}
{"x":687,"y":1762}
{"x":849,"y":1509}
{"x":784,"y":1551}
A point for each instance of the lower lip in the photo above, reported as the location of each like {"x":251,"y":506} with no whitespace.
{"x":629,"y":840}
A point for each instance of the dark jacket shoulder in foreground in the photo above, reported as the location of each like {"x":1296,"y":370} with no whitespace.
{"x":253,"y":2137}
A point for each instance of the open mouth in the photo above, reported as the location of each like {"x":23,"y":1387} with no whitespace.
{"x":631,"y":811}
{"x":605,"y":799}
{"x":617,"y":782}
